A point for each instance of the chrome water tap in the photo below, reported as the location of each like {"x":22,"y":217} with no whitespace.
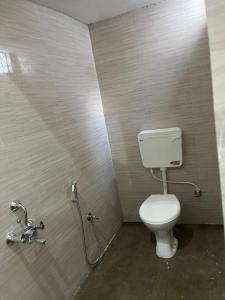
{"x":30,"y":229}
{"x":91,"y":217}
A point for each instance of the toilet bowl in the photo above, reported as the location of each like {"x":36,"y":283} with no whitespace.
{"x":160,"y":213}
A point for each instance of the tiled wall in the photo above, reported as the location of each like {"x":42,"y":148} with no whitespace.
{"x":154,"y":72}
{"x":216,"y":28}
{"x":52,"y":132}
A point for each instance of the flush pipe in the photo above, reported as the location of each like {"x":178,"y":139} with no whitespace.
{"x":197,"y":189}
{"x":164,"y":180}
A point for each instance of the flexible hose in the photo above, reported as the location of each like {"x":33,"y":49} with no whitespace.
{"x":101,"y":252}
{"x":174,"y":182}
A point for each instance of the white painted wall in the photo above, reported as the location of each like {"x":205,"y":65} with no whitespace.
{"x":216,"y":29}
{"x":91,"y":11}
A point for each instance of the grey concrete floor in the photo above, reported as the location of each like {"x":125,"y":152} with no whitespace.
{"x":131,"y":270}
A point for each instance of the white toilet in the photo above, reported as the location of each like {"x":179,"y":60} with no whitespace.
{"x":161,"y":149}
{"x":160,"y":213}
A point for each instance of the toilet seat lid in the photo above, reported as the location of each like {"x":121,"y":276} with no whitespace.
{"x":158,"y":209}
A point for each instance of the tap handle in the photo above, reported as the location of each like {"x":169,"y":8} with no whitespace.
{"x":91,"y":217}
{"x":41,"y":226}
{"x":12,"y":238}
{"x":41,"y":242}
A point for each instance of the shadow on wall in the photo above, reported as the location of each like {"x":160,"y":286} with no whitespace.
{"x":175,"y":92}
{"x":79,"y":141}
{"x":48,"y":276}
{"x":72,"y":124}
{"x":54,"y":121}
{"x":60,"y":113}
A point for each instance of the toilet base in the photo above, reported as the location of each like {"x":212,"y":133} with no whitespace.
{"x":166,"y":244}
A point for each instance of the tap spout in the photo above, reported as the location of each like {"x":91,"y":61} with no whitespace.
{"x":15,"y":205}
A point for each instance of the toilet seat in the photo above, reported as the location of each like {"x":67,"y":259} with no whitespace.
{"x":159,"y":209}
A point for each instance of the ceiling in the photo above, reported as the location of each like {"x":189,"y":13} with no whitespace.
{"x":91,"y":11}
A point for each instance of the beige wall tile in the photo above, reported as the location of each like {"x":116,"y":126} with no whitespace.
{"x":153,"y":69}
{"x":52,"y":132}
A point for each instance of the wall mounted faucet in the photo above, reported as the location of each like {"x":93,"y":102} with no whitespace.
{"x":16,"y":205}
{"x":30,"y":229}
